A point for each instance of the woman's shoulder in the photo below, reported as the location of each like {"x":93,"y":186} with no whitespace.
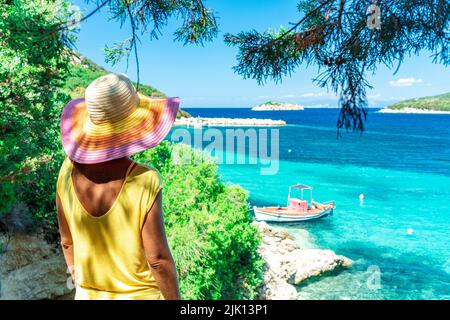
{"x":65,"y":165}
{"x":145,"y":174}
{"x":65,"y":170}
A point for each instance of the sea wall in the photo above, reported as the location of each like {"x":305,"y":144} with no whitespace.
{"x":288,"y":264}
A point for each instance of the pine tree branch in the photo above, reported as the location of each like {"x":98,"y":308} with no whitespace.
{"x":134,"y":44}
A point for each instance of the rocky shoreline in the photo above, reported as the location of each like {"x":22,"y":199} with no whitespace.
{"x":288,"y":265}
{"x":34,"y":269}
{"x":228,"y":122}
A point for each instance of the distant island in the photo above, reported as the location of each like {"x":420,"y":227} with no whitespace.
{"x":277,"y":106}
{"x":439,"y":104}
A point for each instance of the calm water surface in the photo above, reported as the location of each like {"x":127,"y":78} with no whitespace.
{"x":402,"y":166}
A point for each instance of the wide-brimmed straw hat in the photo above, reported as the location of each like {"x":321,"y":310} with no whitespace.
{"x":114,"y":121}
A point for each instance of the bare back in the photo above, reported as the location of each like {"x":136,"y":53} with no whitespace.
{"x":97,"y":186}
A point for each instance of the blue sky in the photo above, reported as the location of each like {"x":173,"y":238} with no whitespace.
{"x":203,"y":76}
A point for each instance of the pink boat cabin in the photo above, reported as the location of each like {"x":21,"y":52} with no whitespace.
{"x":298,"y":205}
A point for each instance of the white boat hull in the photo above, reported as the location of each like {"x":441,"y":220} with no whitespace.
{"x":262,"y":215}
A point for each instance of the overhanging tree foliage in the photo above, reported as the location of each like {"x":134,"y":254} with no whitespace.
{"x":341,"y":38}
{"x":198,"y":23}
{"x":338,"y":36}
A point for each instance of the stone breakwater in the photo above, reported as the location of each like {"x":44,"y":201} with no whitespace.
{"x":278,"y":107}
{"x":228,"y":122}
{"x":288,"y":265}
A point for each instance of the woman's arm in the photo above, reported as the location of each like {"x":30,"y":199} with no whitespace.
{"x":66,"y":237}
{"x":158,"y":252}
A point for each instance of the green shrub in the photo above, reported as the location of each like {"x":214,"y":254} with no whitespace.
{"x":32,"y":71}
{"x":208,"y":226}
{"x":184,"y":114}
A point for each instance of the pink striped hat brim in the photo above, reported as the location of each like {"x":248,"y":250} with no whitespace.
{"x":149,"y":140}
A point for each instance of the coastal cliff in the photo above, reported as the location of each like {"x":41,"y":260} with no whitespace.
{"x":277,"y":106}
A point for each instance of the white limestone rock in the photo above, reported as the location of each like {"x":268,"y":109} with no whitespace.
{"x":288,"y":265}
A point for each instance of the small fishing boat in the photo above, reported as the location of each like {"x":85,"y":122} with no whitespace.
{"x":297,"y":208}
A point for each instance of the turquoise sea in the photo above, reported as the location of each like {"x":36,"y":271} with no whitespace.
{"x":401,"y":164}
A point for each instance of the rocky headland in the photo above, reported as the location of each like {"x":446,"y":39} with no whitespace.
{"x":288,"y":264}
{"x":438,"y":104}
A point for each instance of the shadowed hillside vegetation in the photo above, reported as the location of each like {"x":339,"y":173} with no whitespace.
{"x":435,"y":103}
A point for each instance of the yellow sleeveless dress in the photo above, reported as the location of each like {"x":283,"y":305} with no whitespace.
{"x":109,"y":257}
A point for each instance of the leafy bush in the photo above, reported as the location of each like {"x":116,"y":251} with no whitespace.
{"x":208,"y":226}
{"x":33,"y":64}
{"x":183,"y":113}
